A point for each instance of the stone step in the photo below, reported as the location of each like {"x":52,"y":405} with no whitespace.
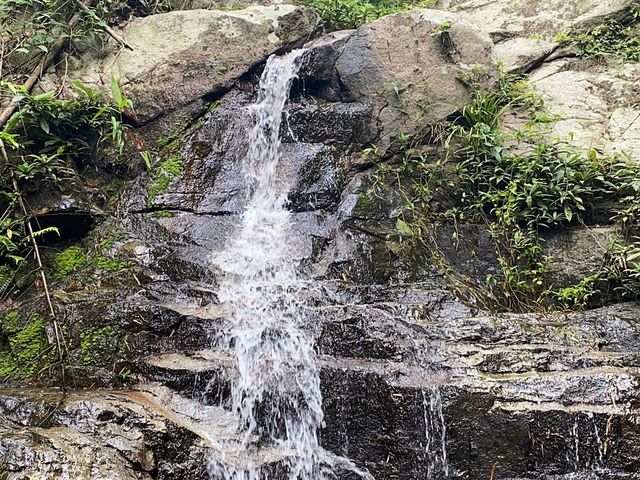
{"x":523,"y":421}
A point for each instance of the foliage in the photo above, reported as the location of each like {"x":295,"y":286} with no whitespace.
{"x":619,"y":36}
{"x":345,"y":14}
{"x":48,"y":138}
{"x":519,"y":184}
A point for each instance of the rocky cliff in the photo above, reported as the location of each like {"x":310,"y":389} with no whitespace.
{"x":420,"y":378}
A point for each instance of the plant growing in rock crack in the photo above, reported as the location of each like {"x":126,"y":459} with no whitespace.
{"x":344,"y":14}
{"x":619,"y":36}
{"x":519,"y":185}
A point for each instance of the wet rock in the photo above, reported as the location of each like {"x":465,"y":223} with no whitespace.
{"x":96,"y":435}
{"x":535,"y":396}
{"x":578,"y":253}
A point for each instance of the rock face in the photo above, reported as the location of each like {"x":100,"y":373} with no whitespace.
{"x":413,"y":65}
{"x":416,"y":384}
{"x":594,"y":109}
{"x":100,"y":435}
{"x":181,"y":56}
{"x":524,"y":30}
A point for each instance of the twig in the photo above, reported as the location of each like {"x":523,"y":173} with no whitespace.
{"x":36,"y":251}
{"x":112,"y":33}
{"x":43,"y":65}
{"x":493,"y":471}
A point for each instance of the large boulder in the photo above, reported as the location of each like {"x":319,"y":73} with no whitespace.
{"x":595,"y":109}
{"x":524,"y":30}
{"x":415,"y":67}
{"x":181,"y":56}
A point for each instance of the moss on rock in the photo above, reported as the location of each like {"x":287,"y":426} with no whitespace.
{"x":99,"y":345}
{"x":166,"y":172}
{"x":69,"y":260}
{"x":23,"y":344}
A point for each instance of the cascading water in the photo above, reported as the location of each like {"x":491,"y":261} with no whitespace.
{"x":276,"y":392}
{"x":435,"y":433}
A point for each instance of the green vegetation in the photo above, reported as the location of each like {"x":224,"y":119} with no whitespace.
{"x":112,"y":264}
{"x":49,"y":136}
{"x":23,"y":345}
{"x":76,"y":259}
{"x":68,"y":261}
{"x":162,"y":176}
{"x":163,"y":214}
{"x":46,"y":138}
{"x":519,"y":184}
{"x":344,"y":14}
{"x":99,"y":346}
{"x":618,"y":37}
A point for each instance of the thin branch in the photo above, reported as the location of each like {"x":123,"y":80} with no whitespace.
{"x":45,"y":62}
{"x":36,"y":251}
{"x":112,"y":33}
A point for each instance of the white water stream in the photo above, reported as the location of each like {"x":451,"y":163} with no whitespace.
{"x":276,"y":394}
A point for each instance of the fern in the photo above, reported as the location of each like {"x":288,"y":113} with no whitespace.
{"x":7,"y":274}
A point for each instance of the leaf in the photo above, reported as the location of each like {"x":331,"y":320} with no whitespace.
{"x":115,"y":89}
{"x":403,"y":228}
{"x":44,"y":231}
{"x":44,"y":125}
{"x":568,"y":213}
{"x":16,"y":258}
{"x":43,"y":96}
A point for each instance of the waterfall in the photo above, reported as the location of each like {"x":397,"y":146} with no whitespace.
{"x":435,"y":433}
{"x":275,"y":393}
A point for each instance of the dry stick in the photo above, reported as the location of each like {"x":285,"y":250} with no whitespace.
{"x":42,"y":67}
{"x":36,"y":251}
{"x":112,"y":33}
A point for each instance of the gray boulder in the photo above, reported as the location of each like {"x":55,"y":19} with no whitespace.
{"x":414,"y":66}
{"x":181,"y":56}
{"x":524,"y":30}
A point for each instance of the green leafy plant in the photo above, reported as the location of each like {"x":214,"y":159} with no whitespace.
{"x":618,"y":37}
{"x":344,"y":14}
{"x":519,"y":184}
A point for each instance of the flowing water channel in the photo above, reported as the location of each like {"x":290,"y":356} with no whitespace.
{"x":275,"y":394}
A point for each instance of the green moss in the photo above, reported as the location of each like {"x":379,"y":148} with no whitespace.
{"x":163,"y":214}
{"x":10,"y":323}
{"x":166,"y":172}
{"x":112,"y":264}
{"x":98,"y":346}
{"x":108,"y":242}
{"x":68,"y":261}
{"x":23,"y":345}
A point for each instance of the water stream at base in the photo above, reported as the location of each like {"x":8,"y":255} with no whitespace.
{"x":275,"y":394}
